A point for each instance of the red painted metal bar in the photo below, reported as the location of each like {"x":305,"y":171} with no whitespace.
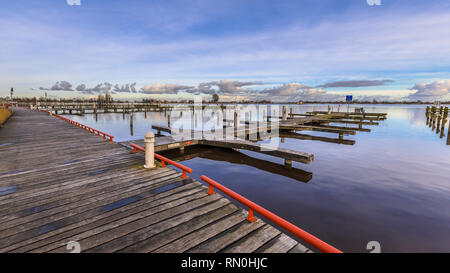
{"x":164,"y":160}
{"x":314,"y":241}
{"x":87,"y":128}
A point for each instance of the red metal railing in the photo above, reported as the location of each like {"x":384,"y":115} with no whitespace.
{"x":312,"y":240}
{"x":87,"y":128}
{"x":164,"y":160}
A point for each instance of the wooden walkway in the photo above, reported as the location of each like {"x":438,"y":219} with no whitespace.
{"x":59,"y":183}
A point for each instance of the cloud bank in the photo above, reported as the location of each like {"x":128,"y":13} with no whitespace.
{"x":162,"y":88}
{"x":430,"y":91}
{"x":355,"y":83}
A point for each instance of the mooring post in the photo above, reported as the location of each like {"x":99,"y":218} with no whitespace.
{"x":448,"y":135}
{"x":287,"y":163}
{"x":149,"y":140}
{"x":444,"y":121}
{"x":284,"y":113}
{"x":168,"y":120}
{"x":438,"y":125}
{"x":290,"y":112}
{"x":131,"y":119}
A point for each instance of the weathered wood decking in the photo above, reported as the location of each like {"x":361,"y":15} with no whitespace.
{"x":59,"y":183}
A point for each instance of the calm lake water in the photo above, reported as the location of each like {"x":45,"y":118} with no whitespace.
{"x":392,"y":186}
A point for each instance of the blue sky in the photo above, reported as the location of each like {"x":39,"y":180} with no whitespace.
{"x":256,"y":49}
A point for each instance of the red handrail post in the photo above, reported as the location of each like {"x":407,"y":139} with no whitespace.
{"x":211,"y":190}
{"x":184,"y":174}
{"x":251,"y":218}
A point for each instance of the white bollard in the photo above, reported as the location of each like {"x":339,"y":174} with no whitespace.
{"x":149,"y":140}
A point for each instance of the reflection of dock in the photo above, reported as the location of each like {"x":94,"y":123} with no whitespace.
{"x":61,"y":184}
{"x":235,"y":157}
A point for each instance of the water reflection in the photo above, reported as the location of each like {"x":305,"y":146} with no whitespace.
{"x":437,"y":120}
{"x":390,"y":186}
{"x":235,"y":157}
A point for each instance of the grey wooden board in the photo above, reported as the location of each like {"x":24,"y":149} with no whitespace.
{"x":234,"y":144}
{"x":59,"y":183}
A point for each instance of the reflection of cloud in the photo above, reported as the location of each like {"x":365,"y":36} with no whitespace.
{"x":431,"y":90}
{"x":357,"y":83}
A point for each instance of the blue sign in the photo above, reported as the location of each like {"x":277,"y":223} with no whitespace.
{"x":348,"y":98}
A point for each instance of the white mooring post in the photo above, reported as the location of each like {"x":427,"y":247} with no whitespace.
{"x":149,"y":140}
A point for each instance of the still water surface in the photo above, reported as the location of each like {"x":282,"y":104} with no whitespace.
{"x":392,"y":186}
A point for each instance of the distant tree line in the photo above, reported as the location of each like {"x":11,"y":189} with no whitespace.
{"x":214,"y":99}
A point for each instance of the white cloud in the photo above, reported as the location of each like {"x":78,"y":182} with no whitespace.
{"x":226,"y":87}
{"x":59,"y":86}
{"x":432,"y":90}
{"x":162,"y":88}
{"x":127,"y":88}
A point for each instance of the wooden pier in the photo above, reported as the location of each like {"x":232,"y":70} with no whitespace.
{"x":244,"y":135}
{"x":61,"y":184}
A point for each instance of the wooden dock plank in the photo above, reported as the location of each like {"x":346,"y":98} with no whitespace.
{"x":58,"y":238}
{"x":254,"y":240}
{"x":202,"y":233}
{"x":281,"y":244}
{"x":224,"y":239}
{"x":265,"y":149}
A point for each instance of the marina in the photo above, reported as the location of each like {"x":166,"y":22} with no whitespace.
{"x":97,"y":193}
{"x":376,"y":163}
